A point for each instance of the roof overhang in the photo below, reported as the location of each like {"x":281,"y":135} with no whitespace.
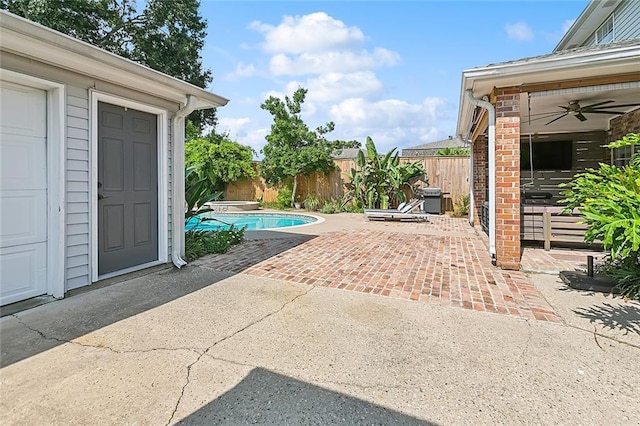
{"x":577,"y":66}
{"x":28,"y":39}
{"x":589,"y":20}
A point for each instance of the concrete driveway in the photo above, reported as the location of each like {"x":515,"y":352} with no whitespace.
{"x":206,"y":346}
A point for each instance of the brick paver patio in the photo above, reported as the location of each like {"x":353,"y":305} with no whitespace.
{"x":449,"y":270}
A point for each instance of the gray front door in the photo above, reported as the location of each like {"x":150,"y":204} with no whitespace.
{"x":127,"y":188}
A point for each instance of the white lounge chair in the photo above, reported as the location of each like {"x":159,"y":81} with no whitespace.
{"x":403,"y":212}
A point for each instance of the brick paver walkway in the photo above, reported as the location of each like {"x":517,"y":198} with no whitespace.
{"x":556,"y":260}
{"x":446,"y":270}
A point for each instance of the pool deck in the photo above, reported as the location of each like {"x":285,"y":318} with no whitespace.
{"x":443,"y":262}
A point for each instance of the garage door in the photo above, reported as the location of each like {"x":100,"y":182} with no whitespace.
{"x":23,"y":193}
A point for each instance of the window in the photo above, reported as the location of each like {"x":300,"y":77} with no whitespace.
{"x":604,"y":34}
{"x":622,"y":156}
{"x":547,"y":155}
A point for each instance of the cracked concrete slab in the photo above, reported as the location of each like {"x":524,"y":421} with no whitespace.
{"x":605,"y":315}
{"x":444,"y":365}
{"x":72,"y":384}
{"x":243,"y":349}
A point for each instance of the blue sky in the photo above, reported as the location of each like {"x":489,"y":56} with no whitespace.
{"x":389,"y":70}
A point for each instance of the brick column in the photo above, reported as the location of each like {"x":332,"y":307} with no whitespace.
{"x":479,"y":177}
{"x":508,"y":178}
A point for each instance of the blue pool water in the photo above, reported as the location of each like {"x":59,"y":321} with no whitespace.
{"x":252,"y":221}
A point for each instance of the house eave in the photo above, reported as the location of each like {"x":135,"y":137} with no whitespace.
{"x":28,"y":39}
{"x":586,"y":64}
{"x":589,"y":20}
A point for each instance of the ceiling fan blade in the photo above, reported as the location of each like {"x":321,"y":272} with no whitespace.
{"x":616,"y":106}
{"x":581,"y":117}
{"x":548,"y":113}
{"x":557,"y":118}
{"x":605,"y":112}
{"x":595,"y":105}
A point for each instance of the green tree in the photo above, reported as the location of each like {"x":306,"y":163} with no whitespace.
{"x":166,"y":35}
{"x":292,"y":148}
{"x":218,"y":160}
{"x":378,"y":179}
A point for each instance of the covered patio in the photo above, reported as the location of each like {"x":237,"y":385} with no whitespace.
{"x":533,"y":124}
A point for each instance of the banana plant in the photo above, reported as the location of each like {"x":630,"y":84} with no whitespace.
{"x":379,"y":180}
{"x":197,"y":195}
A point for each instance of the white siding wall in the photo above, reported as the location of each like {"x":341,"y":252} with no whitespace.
{"x":627,"y":20}
{"x":77,"y":177}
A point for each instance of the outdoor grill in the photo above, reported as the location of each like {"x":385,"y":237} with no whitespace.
{"x":432,"y":200}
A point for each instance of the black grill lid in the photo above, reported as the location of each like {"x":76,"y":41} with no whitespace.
{"x":431,"y":192}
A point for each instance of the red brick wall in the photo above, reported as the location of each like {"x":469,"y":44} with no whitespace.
{"x":508,"y":178}
{"x":479,"y":177}
{"x":628,"y":123}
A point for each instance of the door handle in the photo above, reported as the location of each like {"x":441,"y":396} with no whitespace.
{"x":102,"y":197}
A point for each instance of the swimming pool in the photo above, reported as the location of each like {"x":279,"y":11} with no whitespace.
{"x":214,"y":221}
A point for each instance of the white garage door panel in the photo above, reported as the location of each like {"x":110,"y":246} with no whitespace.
{"x":23,"y":272}
{"x":23,"y":192}
{"x":23,"y":110}
{"x":23,"y":217}
{"x":23,"y":161}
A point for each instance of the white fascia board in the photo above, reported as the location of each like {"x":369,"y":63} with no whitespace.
{"x":581,"y":65}
{"x":28,"y":39}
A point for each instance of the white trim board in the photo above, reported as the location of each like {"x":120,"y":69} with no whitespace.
{"x":56,"y":203}
{"x":163,"y":178}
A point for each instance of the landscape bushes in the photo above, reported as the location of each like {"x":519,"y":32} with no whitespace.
{"x":609,"y":199}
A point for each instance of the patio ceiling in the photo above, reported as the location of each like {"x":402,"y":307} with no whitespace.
{"x":542,"y":103}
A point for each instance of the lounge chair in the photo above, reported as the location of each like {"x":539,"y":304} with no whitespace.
{"x":403,"y":213}
{"x":402,"y":208}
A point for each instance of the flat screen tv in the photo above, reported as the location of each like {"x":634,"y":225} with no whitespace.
{"x":547,"y":155}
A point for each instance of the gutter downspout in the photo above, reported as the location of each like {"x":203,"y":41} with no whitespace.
{"x":177,"y":184}
{"x":492,"y":169}
{"x":472,"y":201}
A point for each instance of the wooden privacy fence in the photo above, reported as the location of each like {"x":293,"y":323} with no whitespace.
{"x":451,"y":174}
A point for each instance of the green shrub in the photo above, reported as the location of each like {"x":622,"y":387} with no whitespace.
{"x":461,"y":207}
{"x":449,"y":151}
{"x":331,"y":206}
{"x":328,"y":208}
{"x":312,"y":202}
{"x":283,"y":199}
{"x":626,"y":274}
{"x":352,"y":208}
{"x":609,"y":199}
{"x":201,"y":243}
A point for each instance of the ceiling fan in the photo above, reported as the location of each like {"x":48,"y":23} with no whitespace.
{"x":574,"y":108}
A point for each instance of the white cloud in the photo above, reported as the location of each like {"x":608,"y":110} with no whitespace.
{"x":316,"y":32}
{"x":334,"y":61}
{"x":337,"y":86}
{"x":519,"y":31}
{"x":392,"y":122}
{"x":255,"y":139}
{"x":233,"y":126}
{"x":242,"y":71}
{"x":566,"y":25}
{"x":387,"y":113}
{"x":240,"y":129}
